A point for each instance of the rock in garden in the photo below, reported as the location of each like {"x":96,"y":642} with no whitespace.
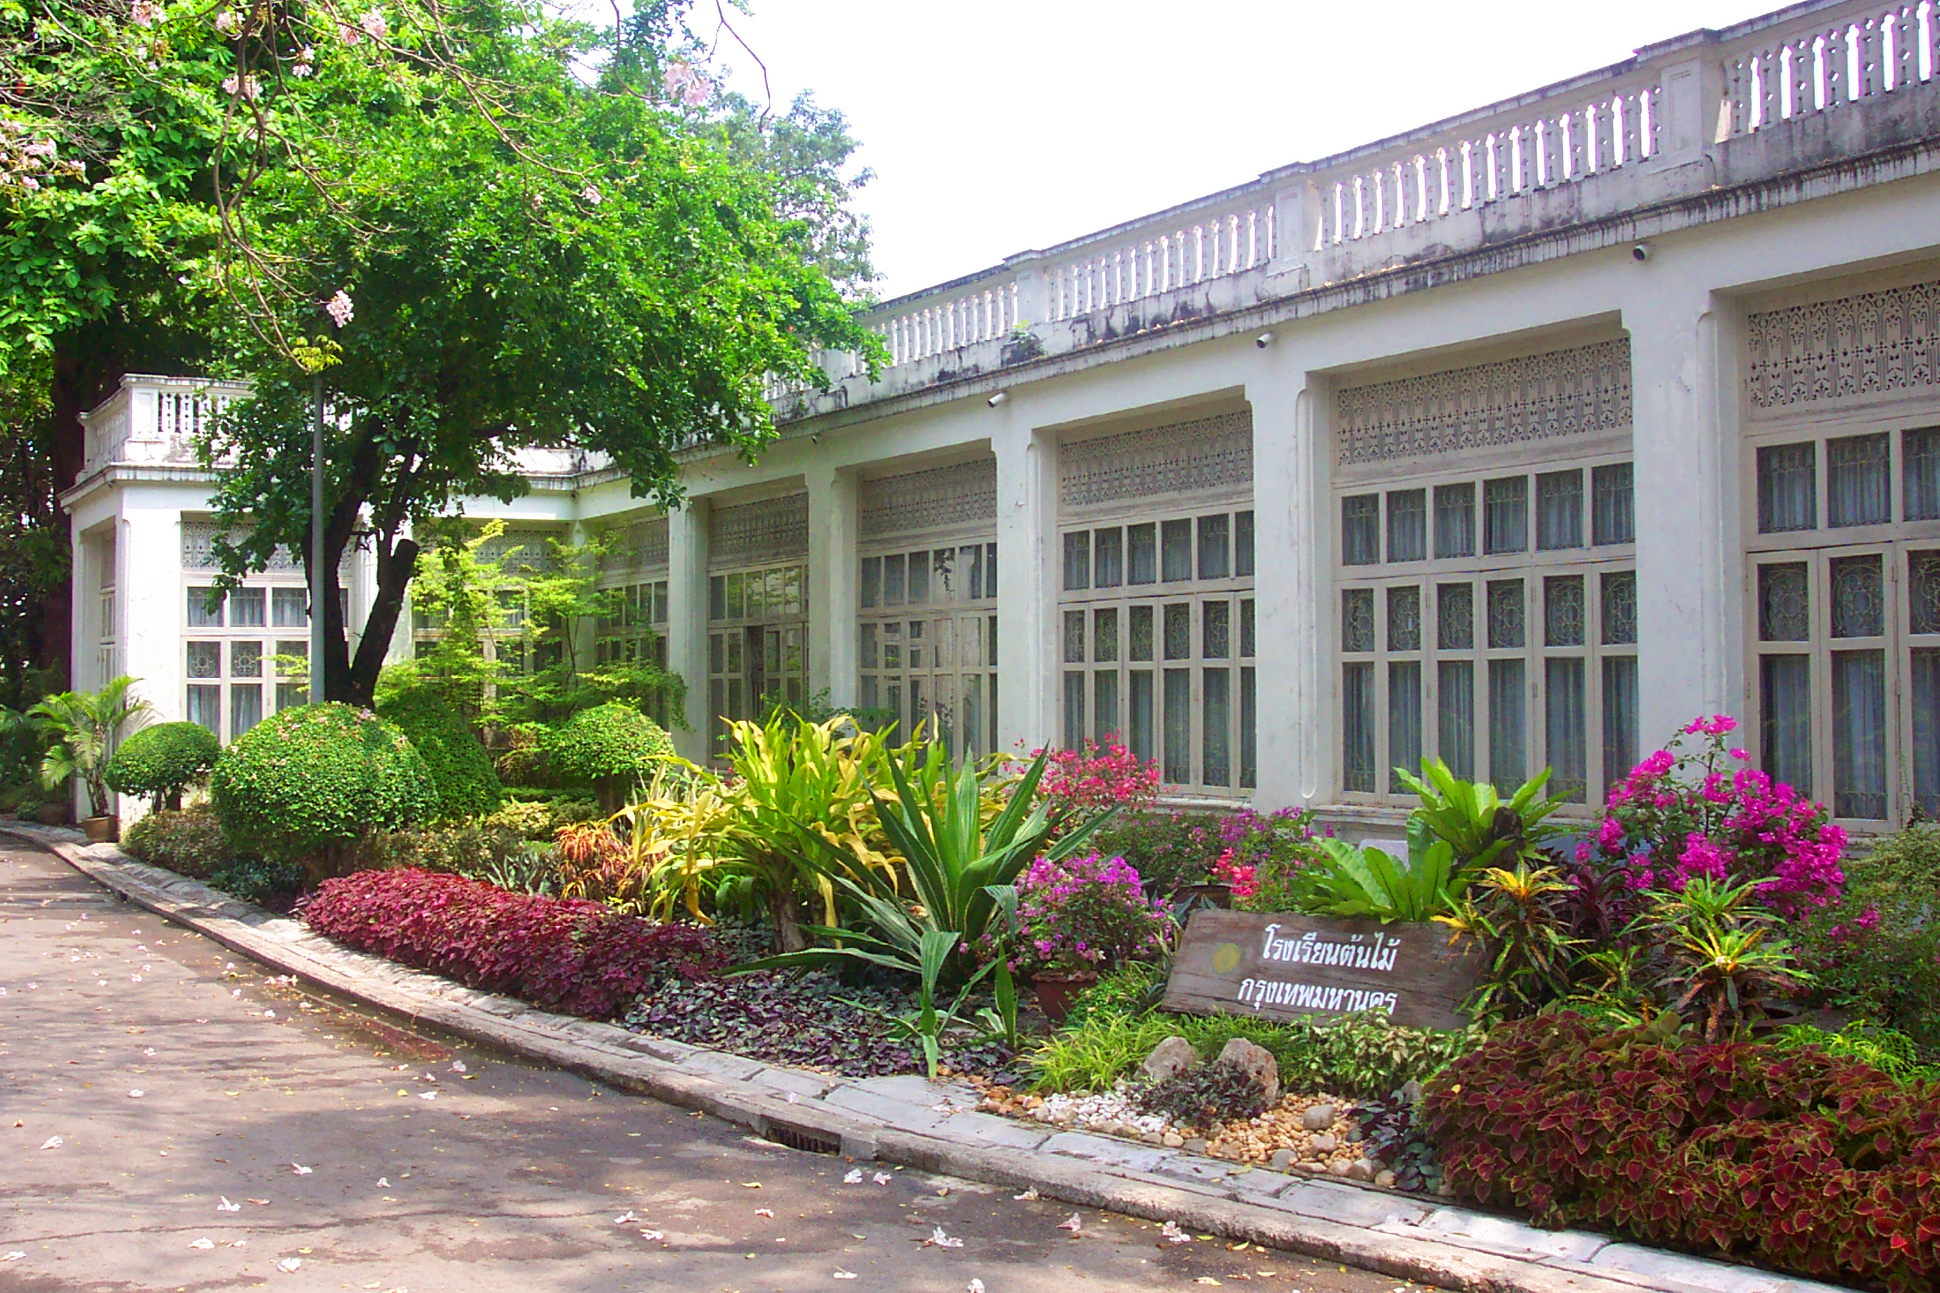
{"x":1362,"y":1169}
{"x":1319,"y":1118}
{"x":1322,"y":1144}
{"x":1171,"y":1140}
{"x":1256,"y":1062}
{"x":1168,"y":1059}
{"x":1282,"y":1158}
{"x":1383,"y":1178}
{"x":1197,"y":1145}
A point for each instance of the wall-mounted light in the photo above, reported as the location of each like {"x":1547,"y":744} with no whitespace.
{"x":997,"y":399}
{"x":1264,"y":340}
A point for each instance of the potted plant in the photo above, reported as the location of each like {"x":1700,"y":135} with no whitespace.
{"x":1078,"y":917}
{"x":83,"y":727}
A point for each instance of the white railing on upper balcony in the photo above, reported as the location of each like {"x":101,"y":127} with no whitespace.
{"x":1162,"y":256}
{"x":186,"y":414}
{"x":1821,"y":64}
{"x":930,"y":327}
{"x":1503,"y":157}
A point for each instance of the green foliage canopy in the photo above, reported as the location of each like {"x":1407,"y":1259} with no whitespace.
{"x":163,"y":760}
{"x":462,"y":776}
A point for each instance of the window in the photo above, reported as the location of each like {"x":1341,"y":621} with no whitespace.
{"x":930,"y":653}
{"x":1845,"y":621}
{"x":1165,"y":662}
{"x":757,"y":641}
{"x":1498,"y":663}
{"x":635,"y":632}
{"x":236,"y":672}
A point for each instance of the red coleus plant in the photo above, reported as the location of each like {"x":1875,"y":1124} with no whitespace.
{"x":1794,"y":1159}
{"x":563,"y":954}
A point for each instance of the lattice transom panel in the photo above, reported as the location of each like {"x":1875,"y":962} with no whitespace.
{"x":773,"y":529}
{"x":1207,"y":453}
{"x":955,"y":497}
{"x":1870,"y":344}
{"x":1563,"y":393}
{"x":199,"y":549}
{"x":638,"y":548}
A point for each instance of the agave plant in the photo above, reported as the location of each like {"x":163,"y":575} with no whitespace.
{"x":84,"y":726}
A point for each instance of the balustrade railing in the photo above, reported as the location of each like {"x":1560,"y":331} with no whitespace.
{"x":1826,"y":60}
{"x":1162,"y":256}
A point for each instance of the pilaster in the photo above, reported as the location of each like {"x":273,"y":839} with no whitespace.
{"x":687,"y":622}
{"x":1027,"y":571}
{"x":834,"y":600}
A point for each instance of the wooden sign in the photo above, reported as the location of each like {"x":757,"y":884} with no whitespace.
{"x":1291,"y":967}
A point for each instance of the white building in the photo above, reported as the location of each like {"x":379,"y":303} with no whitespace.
{"x":1519,"y":439}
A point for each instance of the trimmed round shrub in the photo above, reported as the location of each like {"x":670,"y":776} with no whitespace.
{"x":312,"y":783}
{"x":191,"y":843}
{"x":609,"y":747}
{"x":461,"y":770}
{"x":162,"y":761}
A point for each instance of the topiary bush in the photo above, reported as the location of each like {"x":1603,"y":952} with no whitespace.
{"x":1793,"y":1159}
{"x":610,"y":747}
{"x":313,"y":783}
{"x":461,"y":771}
{"x":162,"y":761}
{"x":191,"y":843}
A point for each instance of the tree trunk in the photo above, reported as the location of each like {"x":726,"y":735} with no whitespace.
{"x":788,"y":927}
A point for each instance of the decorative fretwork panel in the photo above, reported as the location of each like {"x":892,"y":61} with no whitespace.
{"x":1552,"y":396}
{"x":522,"y":551}
{"x":637,"y":548}
{"x":962,"y":496}
{"x":1205,"y":454}
{"x":1870,"y":344}
{"x":199,"y":549}
{"x":759,"y":533}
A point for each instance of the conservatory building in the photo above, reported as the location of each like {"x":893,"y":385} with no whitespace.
{"x":1517,"y":440}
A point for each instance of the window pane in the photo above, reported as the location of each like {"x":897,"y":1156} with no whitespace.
{"x":1455,"y":617}
{"x":245,"y":659}
{"x":1074,"y":709}
{"x":716,"y":598}
{"x":1923,"y":592}
{"x":246,"y":608}
{"x":1455,"y":716}
{"x":871,"y":657}
{"x":1507,"y":615}
{"x":1357,"y":619}
{"x":1613,"y":511}
{"x":1619,"y":607}
{"x":203,"y":612}
{"x":205,"y":707}
{"x":1926,"y":731}
{"x":1077,"y":560}
{"x":919,"y":583}
{"x":245,"y":708}
{"x":1559,"y":510}
{"x":1784,"y":603}
{"x":1216,"y":636}
{"x":1215,"y":733}
{"x":1564,"y":727}
{"x":1858,"y":597}
{"x":1454,"y":521}
{"x":204,"y":659}
{"x":1563,"y":611}
{"x":1140,"y":645}
{"x":1407,"y":524}
{"x":1785,"y":719}
{"x":1074,"y":637}
{"x":1787,"y":488}
{"x":1178,"y":726}
{"x":1104,"y":634}
{"x":892,"y":581}
{"x":1859,"y":489}
{"x":1243,"y":544}
{"x":1140,"y":735}
{"x":1109,"y":569}
{"x":1620,"y":725}
{"x":1404,"y":722}
{"x":1360,"y":530}
{"x":1505,"y":515}
{"x":1215,"y":532}
{"x":1508,"y":747}
{"x":1920,"y":469}
{"x":291,"y":694}
{"x":287,"y":608}
{"x":1246,"y":644}
{"x":1404,"y":617}
{"x":1104,"y":706}
{"x":1249,"y":714}
{"x":1859,"y":733}
{"x":1176,"y":542}
{"x":1142,"y":554}
{"x":1178,"y":630}
{"x":871,"y":581}
{"x":1357,"y":727}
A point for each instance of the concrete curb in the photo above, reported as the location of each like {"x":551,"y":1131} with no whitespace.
{"x":935,"y":1127}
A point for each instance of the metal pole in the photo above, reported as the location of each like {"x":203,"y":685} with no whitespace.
{"x":318,"y":595}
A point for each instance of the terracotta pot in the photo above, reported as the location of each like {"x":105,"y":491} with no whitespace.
{"x":1056,"y":992}
{"x":102,"y":830}
{"x":53,"y":814}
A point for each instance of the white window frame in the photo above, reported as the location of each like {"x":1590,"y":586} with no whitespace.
{"x":735,"y":631}
{"x":277,"y":690}
{"x":924,"y":658}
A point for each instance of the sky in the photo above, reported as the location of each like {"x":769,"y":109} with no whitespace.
{"x":1000,"y":126}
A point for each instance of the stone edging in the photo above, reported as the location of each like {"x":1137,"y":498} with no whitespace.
{"x":936,"y":1126}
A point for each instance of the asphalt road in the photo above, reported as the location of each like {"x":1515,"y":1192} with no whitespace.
{"x":174,"y":1118}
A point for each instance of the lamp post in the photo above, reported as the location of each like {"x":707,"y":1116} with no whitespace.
{"x":318,"y":585}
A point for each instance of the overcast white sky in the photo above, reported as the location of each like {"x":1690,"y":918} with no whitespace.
{"x":1002,"y":125}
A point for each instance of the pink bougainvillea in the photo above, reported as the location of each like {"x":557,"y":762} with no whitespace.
{"x":1099,"y":775}
{"x":1693,"y":809}
{"x":1085,"y":914}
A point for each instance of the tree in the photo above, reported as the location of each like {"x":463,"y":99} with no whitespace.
{"x":515,"y":259}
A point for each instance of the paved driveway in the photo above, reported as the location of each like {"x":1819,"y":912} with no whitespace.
{"x":172,"y":1118}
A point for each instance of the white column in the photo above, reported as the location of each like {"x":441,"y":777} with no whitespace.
{"x":687,"y":621}
{"x":1027,"y":580}
{"x":1295,"y":716}
{"x":1690,"y":555}
{"x":584,"y":628}
{"x":834,"y":598}
{"x":149,"y":613}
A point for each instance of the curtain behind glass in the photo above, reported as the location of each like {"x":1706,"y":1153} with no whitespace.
{"x":1785,"y":719}
{"x":1564,"y":727}
{"x":1620,"y":724}
{"x":1404,"y":721}
{"x":1508,"y":724}
{"x":1859,"y":733}
{"x":1455,"y":716}
{"x":1926,"y":730}
{"x":1859,"y":484}
{"x":1357,"y":726}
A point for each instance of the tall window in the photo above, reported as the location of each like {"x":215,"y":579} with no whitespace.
{"x":1491,"y":622}
{"x":636,"y":632}
{"x":928,"y":639}
{"x":757,"y":640}
{"x":1157,"y":644}
{"x":246,"y":655}
{"x":1845,"y":574}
